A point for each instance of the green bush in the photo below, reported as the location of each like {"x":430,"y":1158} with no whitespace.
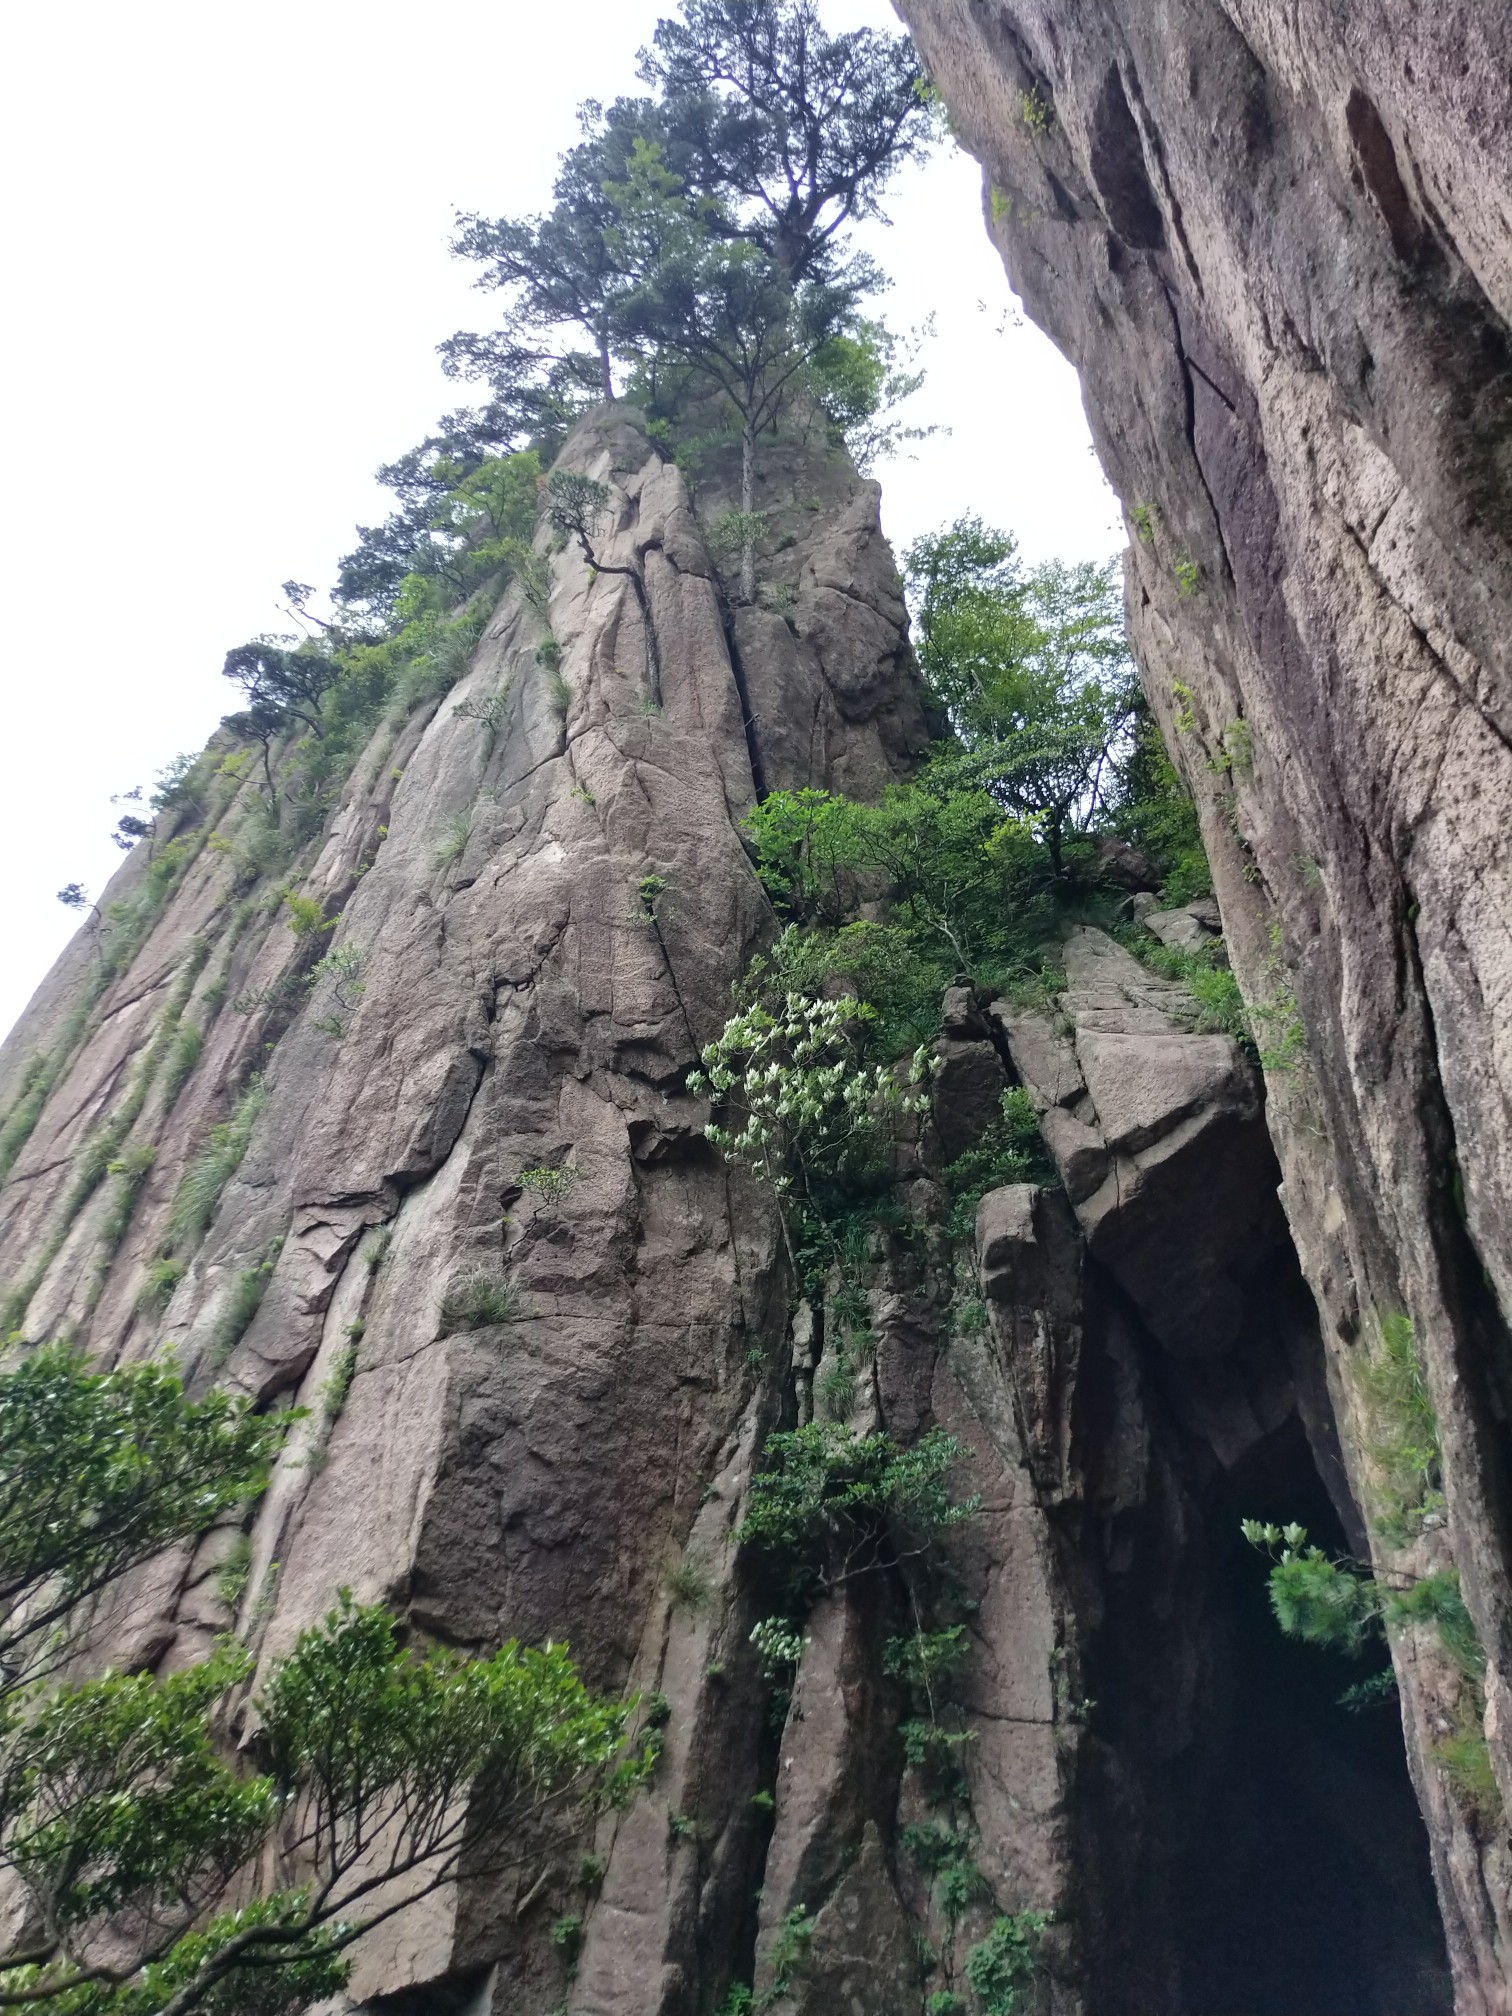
{"x":1402,"y":1433}
{"x":1323,"y":1602}
{"x":182,"y":1059}
{"x":688,"y":1585}
{"x":1011,"y":1151}
{"x":830,"y":1503}
{"x":163,"y":1276}
{"x":478,"y":1301}
{"x":550,"y":1185}
{"x":998,"y":1966}
{"x":455,"y":835}
{"x":1206,"y":976}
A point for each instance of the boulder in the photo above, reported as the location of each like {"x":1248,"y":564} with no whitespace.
{"x":1159,"y":1138}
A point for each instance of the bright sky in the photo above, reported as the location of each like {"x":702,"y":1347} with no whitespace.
{"x":224,"y":238}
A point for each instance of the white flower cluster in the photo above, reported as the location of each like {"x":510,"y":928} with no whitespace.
{"x":805,"y":1098}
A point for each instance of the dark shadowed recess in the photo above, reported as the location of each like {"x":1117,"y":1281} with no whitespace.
{"x":1252,"y":1847}
{"x":1302,"y":1881}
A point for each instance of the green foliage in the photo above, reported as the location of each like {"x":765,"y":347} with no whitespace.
{"x":1034,"y":672}
{"x":831,"y":1503}
{"x":927,"y":1657}
{"x":163,"y":1276}
{"x":881,"y":964}
{"x":1277,"y":1018}
{"x":934,"y":1751}
{"x":199,"y":1191}
{"x":477,"y":1301}
{"x":558,"y":692}
{"x":1464,"y":1756}
{"x":808,"y":1112}
{"x":455,"y":835}
{"x":182,"y":1059}
{"x":306,"y":919}
{"x":1319,"y":1600}
{"x":124,"y":1463}
{"x":790,"y":1948}
{"x":241,"y":1305}
{"x":1000,"y":1965}
{"x":861,"y":376}
{"x":836,"y":1386}
{"x":1012,"y":1150}
{"x":113,"y":1791}
{"x":130,"y":1171}
{"x":551,"y":1185}
{"x":490,"y":711}
{"x":1332,"y":1604}
{"x":1206,"y":976}
{"x":338,"y":1381}
{"x":231,"y":1578}
{"x":733,"y":531}
{"x":780,"y":1645}
{"x":1402,"y":1431}
{"x":688,"y":1585}
{"x":1156,"y":815}
{"x":1435,"y":1599}
{"x":576,"y":506}
{"x":656,"y":1711}
{"x":1036,"y":110}
{"x":960,"y":875}
{"x":567,"y":1937}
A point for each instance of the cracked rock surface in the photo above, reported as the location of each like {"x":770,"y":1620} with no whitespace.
{"x":1274,"y":237}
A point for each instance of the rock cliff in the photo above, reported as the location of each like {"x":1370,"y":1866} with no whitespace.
{"x":503,"y":995}
{"x":1276,"y":242}
{"x":400,"y":1128}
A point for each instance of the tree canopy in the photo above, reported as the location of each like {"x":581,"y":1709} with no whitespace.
{"x":695,"y":249}
{"x":1033,"y":670}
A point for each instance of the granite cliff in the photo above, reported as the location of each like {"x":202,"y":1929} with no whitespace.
{"x":1275,"y":242}
{"x":465,"y":1189}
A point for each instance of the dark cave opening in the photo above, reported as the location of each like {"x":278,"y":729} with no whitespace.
{"x":1300,"y":1882}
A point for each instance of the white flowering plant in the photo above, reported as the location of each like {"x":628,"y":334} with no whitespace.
{"x":806,"y":1107}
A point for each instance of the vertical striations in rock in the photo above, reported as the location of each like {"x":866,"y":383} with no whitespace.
{"x":1276,"y":242}
{"x":461,"y":1147}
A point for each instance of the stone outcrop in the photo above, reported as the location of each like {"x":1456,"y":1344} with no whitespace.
{"x":517,"y":997}
{"x":1276,"y":242}
{"x":541,"y":902}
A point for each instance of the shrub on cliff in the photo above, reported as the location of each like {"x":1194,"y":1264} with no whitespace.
{"x":122,"y":1815}
{"x":831,"y":1504}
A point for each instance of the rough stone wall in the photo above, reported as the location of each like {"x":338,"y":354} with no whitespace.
{"x":521,"y":1007}
{"x":1275,"y":238}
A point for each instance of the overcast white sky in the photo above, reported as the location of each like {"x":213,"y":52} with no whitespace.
{"x":224,"y":239}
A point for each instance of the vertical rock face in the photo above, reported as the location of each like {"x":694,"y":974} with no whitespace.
{"x":1276,"y":241}
{"x":517,"y":997}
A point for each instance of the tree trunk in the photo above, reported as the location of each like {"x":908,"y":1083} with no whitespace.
{"x":747,"y":511}
{"x":603,"y":350}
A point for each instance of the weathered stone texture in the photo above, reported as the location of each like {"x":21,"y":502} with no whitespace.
{"x":523,"y":1005}
{"x":1276,"y":241}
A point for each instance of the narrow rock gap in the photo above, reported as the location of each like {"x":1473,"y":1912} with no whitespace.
{"x":1271,"y":1860}
{"x":747,"y":718}
{"x":1303,"y":1885}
